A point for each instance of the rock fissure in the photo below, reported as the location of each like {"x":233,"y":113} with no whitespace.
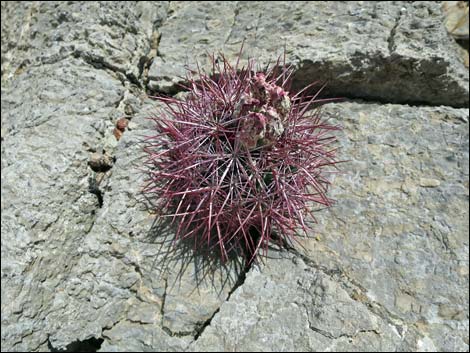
{"x":389,"y":270}
{"x":391,"y":37}
{"x":99,"y":62}
{"x":355,"y":291}
{"x":234,"y":21}
{"x":240,"y":281}
{"x":88,"y":345}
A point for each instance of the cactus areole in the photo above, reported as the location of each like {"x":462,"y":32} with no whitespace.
{"x":239,"y":163}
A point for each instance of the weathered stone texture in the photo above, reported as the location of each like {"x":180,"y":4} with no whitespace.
{"x":83,"y":264}
{"x":395,"y":242}
{"x":386,"y":51}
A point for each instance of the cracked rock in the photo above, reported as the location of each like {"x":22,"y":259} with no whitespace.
{"x":287,"y":306}
{"x":385,"y":51}
{"x":385,"y":269}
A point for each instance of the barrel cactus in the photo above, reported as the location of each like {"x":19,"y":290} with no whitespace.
{"x":240,"y":162}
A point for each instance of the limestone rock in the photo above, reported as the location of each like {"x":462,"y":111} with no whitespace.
{"x":84,"y":266}
{"x":386,"y":51}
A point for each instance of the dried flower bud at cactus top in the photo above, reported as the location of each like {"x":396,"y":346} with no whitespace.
{"x":240,"y":161}
{"x":266,"y":107}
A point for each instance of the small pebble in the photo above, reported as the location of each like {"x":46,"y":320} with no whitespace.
{"x":429,"y":183}
{"x":100,"y":162}
{"x":122,"y":123}
{"x":121,"y":126}
{"x":117,"y":133}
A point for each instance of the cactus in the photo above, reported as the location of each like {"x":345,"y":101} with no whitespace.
{"x":239,"y":162}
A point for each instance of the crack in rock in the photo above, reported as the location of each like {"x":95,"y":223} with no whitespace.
{"x":236,"y":11}
{"x":355,"y":291}
{"x":162,"y":310}
{"x":98,"y":62}
{"x":147,"y":60}
{"x":240,"y":281}
{"x":155,"y":40}
{"x":329,"y":335}
{"x":88,"y":345}
{"x":391,"y":38}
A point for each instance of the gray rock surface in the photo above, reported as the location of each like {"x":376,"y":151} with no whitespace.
{"x":83,"y":264}
{"x":296,"y":308}
{"x":392,"y":255}
{"x":386,"y":51}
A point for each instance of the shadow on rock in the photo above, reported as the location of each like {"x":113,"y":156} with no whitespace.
{"x":180,"y":262}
